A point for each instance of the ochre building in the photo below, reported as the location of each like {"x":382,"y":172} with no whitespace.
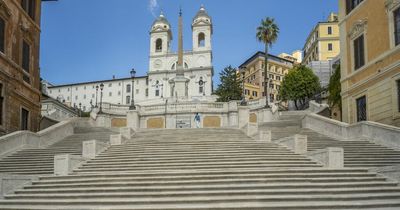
{"x":19,"y":65}
{"x":323,"y":42}
{"x":370,"y":64}
{"x":253,"y":70}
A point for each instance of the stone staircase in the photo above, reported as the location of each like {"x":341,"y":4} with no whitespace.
{"x":205,"y":169}
{"x":41,"y":161}
{"x":357,"y":153}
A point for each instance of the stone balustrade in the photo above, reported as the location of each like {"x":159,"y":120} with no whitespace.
{"x":296,"y":143}
{"x":330,"y":157}
{"x":64,"y":164}
{"x":382,"y":134}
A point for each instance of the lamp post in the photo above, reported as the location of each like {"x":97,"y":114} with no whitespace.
{"x":97,"y":90}
{"x":132,"y":106}
{"x":101,"y":98}
{"x":80,"y":109}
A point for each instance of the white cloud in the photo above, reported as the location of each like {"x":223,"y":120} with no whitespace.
{"x":153,"y":5}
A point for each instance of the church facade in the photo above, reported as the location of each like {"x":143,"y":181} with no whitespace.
{"x":195,"y":66}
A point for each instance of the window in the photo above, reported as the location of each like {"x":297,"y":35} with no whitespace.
{"x":59,"y":90}
{"x":137,"y":91}
{"x":359,"y":59}
{"x":157,"y":92}
{"x":110,"y":85}
{"x":76,"y":88}
{"x":352,"y":4}
{"x":24,"y":119}
{"x":110,"y":94}
{"x":128,"y":88}
{"x":29,"y":7}
{"x":255,"y":93}
{"x":361,"y":109}
{"x":271,"y":97}
{"x":25,"y":56}
{"x":84,"y":96}
{"x":119,"y":93}
{"x":330,"y":47}
{"x":93,"y":95}
{"x":396,"y":16}
{"x":398,"y":94}
{"x":278,"y":78}
{"x":128,"y":99}
{"x":68,"y":89}
{"x":271,"y":86}
{"x":329,"y":30}
{"x":68,"y":98}
{"x":119,"y":84}
{"x":147,"y":81}
{"x":201,"y":40}
{"x":200,"y":89}
{"x":147,"y":92}
{"x":84,"y":87}
{"x":158,"y":45}
{"x":1,"y":104}
{"x":76,"y":97}
{"x":2,"y":35}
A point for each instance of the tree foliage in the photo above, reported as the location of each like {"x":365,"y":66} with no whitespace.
{"x":267,"y":33}
{"x":230,"y":87}
{"x":334,"y":89}
{"x":299,"y":85}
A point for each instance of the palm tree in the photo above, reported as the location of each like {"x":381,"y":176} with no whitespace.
{"x":267,"y":33}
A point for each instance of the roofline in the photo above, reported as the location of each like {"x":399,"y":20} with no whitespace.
{"x":99,"y":81}
{"x":260,"y":53}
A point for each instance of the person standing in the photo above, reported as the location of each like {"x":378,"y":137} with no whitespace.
{"x":197,"y":120}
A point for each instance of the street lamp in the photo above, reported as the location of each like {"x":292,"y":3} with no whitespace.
{"x":97,"y":90}
{"x":101,"y":98}
{"x":80,"y":109}
{"x":132,"y":106}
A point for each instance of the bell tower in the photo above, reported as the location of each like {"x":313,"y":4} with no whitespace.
{"x":202,"y":31}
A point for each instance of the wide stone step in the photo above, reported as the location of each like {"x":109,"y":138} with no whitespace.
{"x":205,"y":167}
{"x":94,"y":179}
{"x":138,"y":187}
{"x":255,"y":205}
{"x":193,"y":163}
{"x":208,"y":181}
{"x":27,"y":194}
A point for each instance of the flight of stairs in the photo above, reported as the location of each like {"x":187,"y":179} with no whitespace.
{"x":40,"y":161}
{"x":357,"y":153}
{"x":205,"y":169}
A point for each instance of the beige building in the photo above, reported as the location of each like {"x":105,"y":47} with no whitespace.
{"x":296,"y":56}
{"x":253,"y":69}
{"x":323,"y":42}
{"x":370,"y":64}
{"x":19,"y":65}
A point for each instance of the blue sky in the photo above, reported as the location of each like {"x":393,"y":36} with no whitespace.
{"x":86,"y":40}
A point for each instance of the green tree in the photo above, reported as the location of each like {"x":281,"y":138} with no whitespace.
{"x":230,"y":87}
{"x":267,"y":33}
{"x":334,"y":89}
{"x":299,"y":85}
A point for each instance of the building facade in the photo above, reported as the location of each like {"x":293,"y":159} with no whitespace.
{"x":253,"y":70}
{"x":19,"y":65}
{"x":370,"y":61}
{"x":163,"y":68}
{"x":323,"y":42}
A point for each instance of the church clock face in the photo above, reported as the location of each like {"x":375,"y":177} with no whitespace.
{"x":157,"y":64}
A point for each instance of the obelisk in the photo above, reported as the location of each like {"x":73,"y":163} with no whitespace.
{"x":180,"y":82}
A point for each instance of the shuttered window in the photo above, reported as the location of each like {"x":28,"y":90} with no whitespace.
{"x":25,"y":56}
{"x":359,"y":55}
{"x":2,"y":35}
{"x":396,"y":16}
{"x":29,"y":7}
{"x":361,"y":109}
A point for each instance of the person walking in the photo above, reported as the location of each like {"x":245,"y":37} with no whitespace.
{"x":197,"y":120}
